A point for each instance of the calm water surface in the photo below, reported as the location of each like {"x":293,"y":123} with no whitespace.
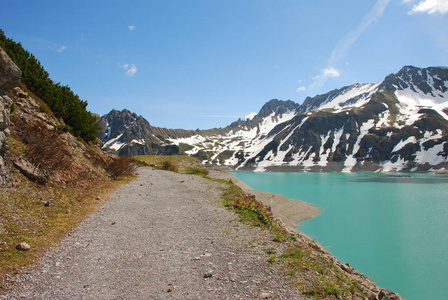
{"x":392,"y":229}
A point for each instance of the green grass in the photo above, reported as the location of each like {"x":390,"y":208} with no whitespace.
{"x":197,"y":171}
{"x":176,"y":163}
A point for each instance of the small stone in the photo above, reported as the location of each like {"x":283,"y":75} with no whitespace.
{"x":169,"y":290}
{"x":265,"y":295}
{"x":98,"y":198}
{"x":208,"y":275}
{"x":23,"y":246}
{"x":49,"y":203}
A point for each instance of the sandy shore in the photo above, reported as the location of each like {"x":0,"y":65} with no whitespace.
{"x":289,"y":211}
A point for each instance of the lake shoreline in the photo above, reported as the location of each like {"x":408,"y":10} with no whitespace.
{"x":290,"y":211}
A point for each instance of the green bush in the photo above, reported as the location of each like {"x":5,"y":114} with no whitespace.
{"x":62,"y":101}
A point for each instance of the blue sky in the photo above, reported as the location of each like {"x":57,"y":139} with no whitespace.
{"x":205,"y":63}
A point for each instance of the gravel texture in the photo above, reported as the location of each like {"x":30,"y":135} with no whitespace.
{"x":162,"y":236}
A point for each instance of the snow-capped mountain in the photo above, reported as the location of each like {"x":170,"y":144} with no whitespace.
{"x":399,"y":124}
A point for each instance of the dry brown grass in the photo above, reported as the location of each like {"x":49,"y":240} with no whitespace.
{"x":120,"y":167}
{"x":41,"y":216}
{"x":47,"y":150}
{"x":176,"y":163}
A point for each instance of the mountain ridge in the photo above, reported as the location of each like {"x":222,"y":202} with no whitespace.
{"x":398,"y":124}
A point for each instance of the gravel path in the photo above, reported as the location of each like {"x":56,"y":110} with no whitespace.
{"x":162,"y":236}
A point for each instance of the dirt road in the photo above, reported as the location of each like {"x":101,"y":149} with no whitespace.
{"x":162,"y":236}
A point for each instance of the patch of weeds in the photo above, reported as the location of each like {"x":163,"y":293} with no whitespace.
{"x":280,"y":235}
{"x":270,"y":251}
{"x":121,"y":167}
{"x":182,"y":161}
{"x":293,"y":254}
{"x":252,"y":211}
{"x":197,"y":171}
{"x":322,"y":278}
{"x":271,"y":259}
{"x":168,"y":165}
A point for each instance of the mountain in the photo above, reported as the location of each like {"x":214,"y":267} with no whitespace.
{"x":125,"y":133}
{"x":399,"y":124}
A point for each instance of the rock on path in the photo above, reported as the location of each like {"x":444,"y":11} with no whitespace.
{"x":162,"y":236}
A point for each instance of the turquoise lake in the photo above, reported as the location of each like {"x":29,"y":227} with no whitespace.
{"x":393,"y":229}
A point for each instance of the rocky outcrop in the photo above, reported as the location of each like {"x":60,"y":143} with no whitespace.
{"x":29,"y":170}
{"x":10,"y":76}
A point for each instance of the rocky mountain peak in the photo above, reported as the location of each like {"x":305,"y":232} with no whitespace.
{"x":432,"y":80}
{"x":126,"y":133}
{"x":277,"y":106}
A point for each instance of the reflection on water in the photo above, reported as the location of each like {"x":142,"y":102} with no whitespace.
{"x":422,"y":179}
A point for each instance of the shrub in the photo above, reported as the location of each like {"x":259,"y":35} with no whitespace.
{"x":120,"y":167}
{"x":46,"y":149}
{"x":169,"y":166}
{"x":196,"y":171}
{"x":252,"y":208}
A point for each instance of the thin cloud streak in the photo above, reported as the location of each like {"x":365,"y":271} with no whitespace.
{"x":340,"y":51}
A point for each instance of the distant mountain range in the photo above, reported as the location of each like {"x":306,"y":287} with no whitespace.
{"x":399,"y":124}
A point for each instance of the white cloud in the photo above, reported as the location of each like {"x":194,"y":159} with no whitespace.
{"x":331,"y":72}
{"x":61,"y":49}
{"x":340,"y":51}
{"x":430,"y":7}
{"x":319,"y":80}
{"x":301,"y":89}
{"x":130,"y":69}
{"x":131,"y":27}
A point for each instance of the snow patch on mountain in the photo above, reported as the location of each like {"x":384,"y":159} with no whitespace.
{"x":354,"y":96}
{"x":114,"y":143}
{"x":351,"y":160}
